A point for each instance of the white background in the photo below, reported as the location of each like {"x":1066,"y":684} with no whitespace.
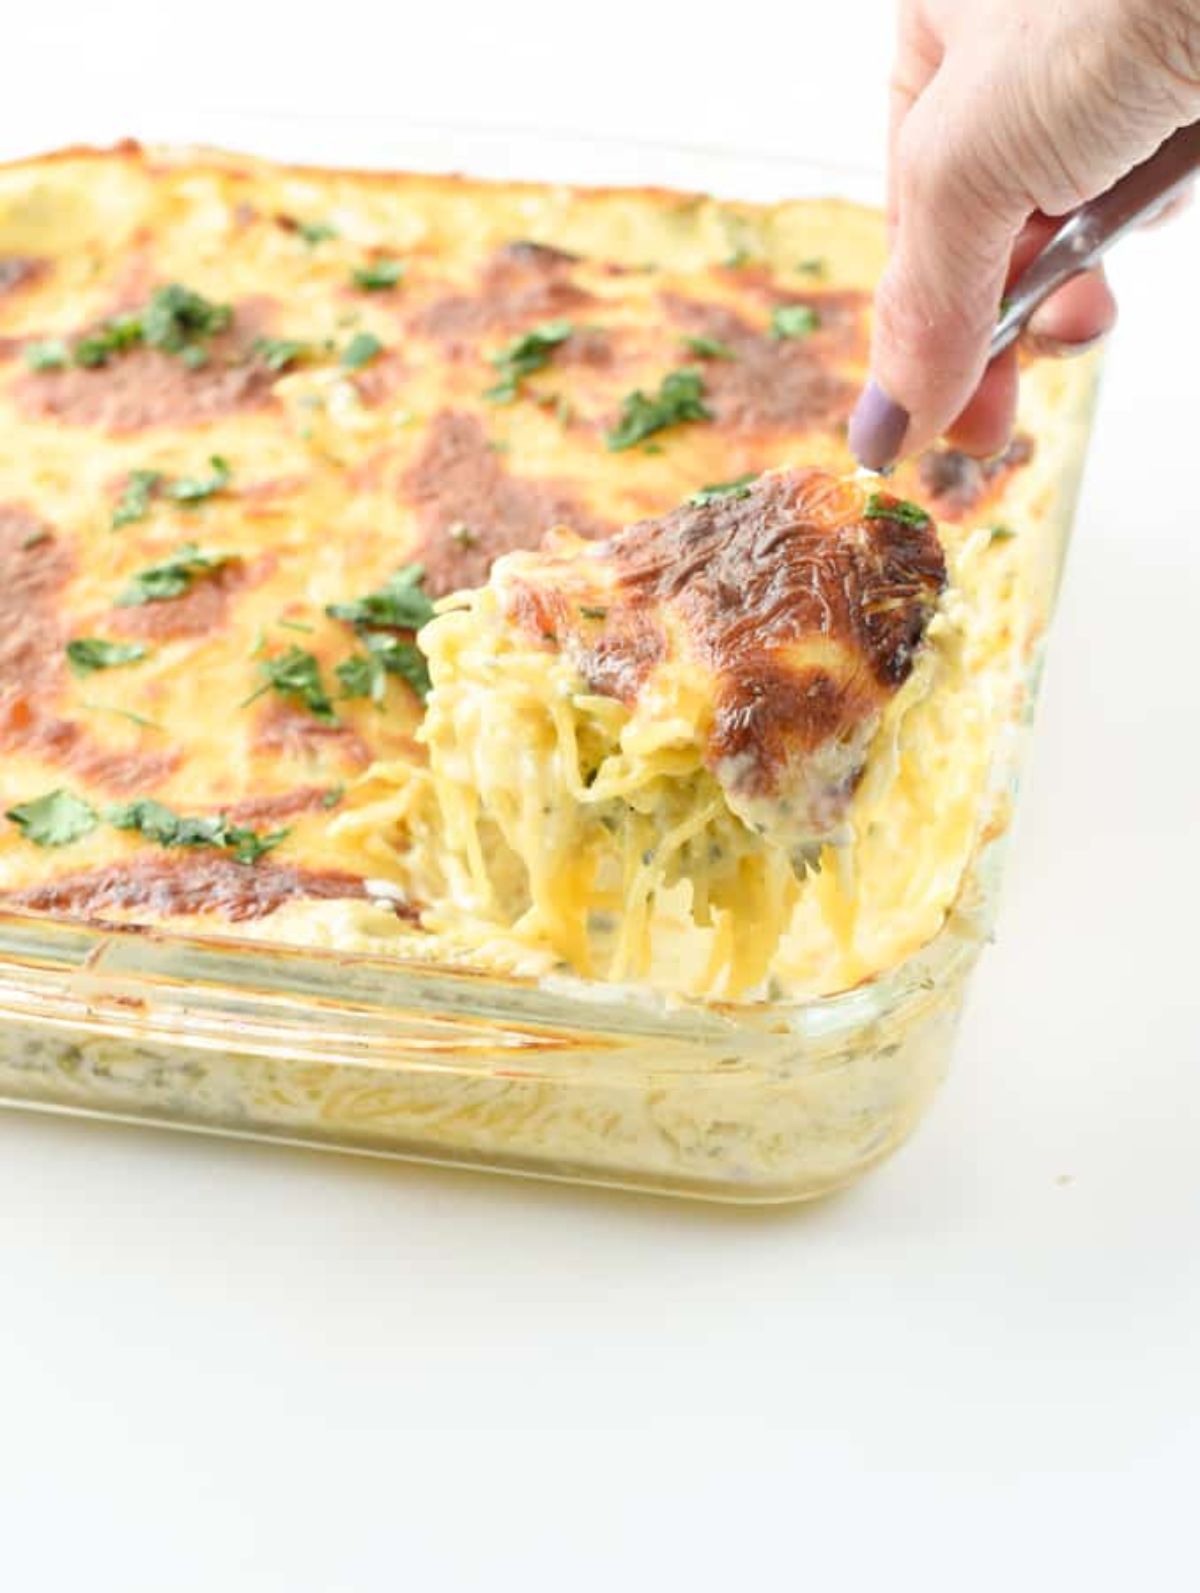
{"x":227,"y":1369}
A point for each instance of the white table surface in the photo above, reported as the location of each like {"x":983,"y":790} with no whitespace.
{"x":229,"y":1368}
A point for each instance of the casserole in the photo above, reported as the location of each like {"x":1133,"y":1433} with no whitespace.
{"x":540,"y":1072}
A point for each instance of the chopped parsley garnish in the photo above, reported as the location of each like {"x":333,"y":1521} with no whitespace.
{"x":814,"y":266}
{"x":190,"y":489}
{"x":880,"y":507}
{"x":365,"y":674}
{"x":379,"y":275}
{"x":61,"y":817}
{"x":401,"y":604}
{"x":361,"y":676}
{"x":49,"y":354}
{"x":156,"y":822}
{"x":296,"y":673}
{"x":134,"y":503}
{"x":314,"y":232}
{"x":1001,"y":533}
{"x":172,"y":576}
{"x":680,"y":398}
{"x":118,"y":334}
{"x":740,"y":488}
{"x":360,"y":350}
{"x":56,"y":819}
{"x":86,"y":654}
{"x":793,"y":320}
{"x":593,"y":611}
{"x":176,"y":320}
{"x":709,"y":348}
{"x":531,"y":352}
{"x":278,"y":353}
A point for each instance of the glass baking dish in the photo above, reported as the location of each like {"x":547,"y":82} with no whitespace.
{"x":556,"y":1078}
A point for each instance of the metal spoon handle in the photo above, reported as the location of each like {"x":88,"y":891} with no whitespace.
{"x":1089,"y":232}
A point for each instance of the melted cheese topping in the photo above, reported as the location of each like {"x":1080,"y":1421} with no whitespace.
{"x":340,"y":475}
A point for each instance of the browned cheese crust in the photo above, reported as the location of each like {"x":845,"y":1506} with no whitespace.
{"x":804,"y":599}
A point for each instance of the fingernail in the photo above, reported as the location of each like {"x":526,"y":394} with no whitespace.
{"x":877,"y":428}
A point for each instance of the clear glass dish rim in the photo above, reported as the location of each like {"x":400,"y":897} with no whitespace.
{"x":47,"y":963}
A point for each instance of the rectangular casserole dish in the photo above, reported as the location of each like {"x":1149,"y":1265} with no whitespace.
{"x":765,"y":1102}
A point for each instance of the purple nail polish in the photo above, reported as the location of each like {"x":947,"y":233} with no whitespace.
{"x":877,"y":428}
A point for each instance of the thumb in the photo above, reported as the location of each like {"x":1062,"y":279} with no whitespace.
{"x":960,"y":207}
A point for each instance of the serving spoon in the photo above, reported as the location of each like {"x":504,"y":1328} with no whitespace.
{"x":1089,"y":232}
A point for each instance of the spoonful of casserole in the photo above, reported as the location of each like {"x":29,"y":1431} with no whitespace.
{"x":674,"y":719}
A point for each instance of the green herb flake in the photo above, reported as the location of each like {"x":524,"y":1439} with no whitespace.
{"x":56,"y":819}
{"x":333,"y":797}
{"x":158,"y":823}
{"x":172,"y":576}
{"x":360,"y":350}
{"x":401,"y":604}
{"x":680,"y":398}
{"x":881,"y":507}
{"x":531,"y":352}
{"x":297,"y":673}
{"x":48,"y":354}
{"x":177,"y":318}
{"x":709,"y":348}
{"x":134,"y":502}
{"x":115,"y":336}
{"x":793,"y":320}
{"x":379,"y":275}
{"x":278,"y":354}
{"x":87,"y":654}
{"x":365,"y":674}
{"x":814,"y":266}
{"x":192,"y":490}
{"x":593,"y":611}
{"x":314,"y":232}
{"x":739,"y":488}
{"x":1000,"y":533}
{"x":139,"y":720}
{"x":403,"y":659}
{"x":360,"y":675}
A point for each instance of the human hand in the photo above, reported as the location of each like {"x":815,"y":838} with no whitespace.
{"x":1005,"y":113}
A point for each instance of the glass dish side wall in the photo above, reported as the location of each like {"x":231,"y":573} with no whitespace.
{"x":595,"y":1085}
{"x":752,"y":1107}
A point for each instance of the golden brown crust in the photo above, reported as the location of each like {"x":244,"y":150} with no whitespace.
{"x":471,"y":508}
{"x":36,"y":565}
{"x":144,"y":387}
{"x":778,"y":384}
{"x":344,"y":469}
{"x":804,"y":598}
{"x":520,"y":284}
{"x":955,"y":484}
{"x":162,"y":886}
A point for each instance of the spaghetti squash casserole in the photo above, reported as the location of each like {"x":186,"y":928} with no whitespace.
{"x":476,"y":573}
